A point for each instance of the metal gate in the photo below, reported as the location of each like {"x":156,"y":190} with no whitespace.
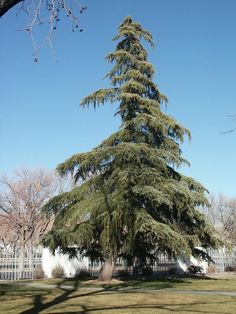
{"x":9,"y":263}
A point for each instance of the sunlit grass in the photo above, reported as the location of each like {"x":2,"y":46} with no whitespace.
{"x":145,"y":297}
{"x":226,"y":284}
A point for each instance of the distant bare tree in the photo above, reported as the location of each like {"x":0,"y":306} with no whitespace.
{"x":222,"y":213}
{"x":47,"y":12}
{"x":21,"y":198}
{"x":8,"y":237}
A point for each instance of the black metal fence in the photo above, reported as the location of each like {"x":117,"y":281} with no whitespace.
{"x":163,"y":265}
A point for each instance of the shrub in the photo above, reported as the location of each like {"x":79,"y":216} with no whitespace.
{"x":39,"y":273}
{"x":194,"y":269}
{"x":136,"y":270}
{"x":212,"y":268}
{"x":230,"y":268}
{"x":122,"y":273}
{"x":147,"y":271}
{"x":173,"y":270}
{"x":58,"y":272}
{"x":82,"y":273}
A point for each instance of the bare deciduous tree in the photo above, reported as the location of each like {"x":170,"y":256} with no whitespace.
{"x":8,"y":237}
{"x":21,"y":198}
{"x":222,"y":213}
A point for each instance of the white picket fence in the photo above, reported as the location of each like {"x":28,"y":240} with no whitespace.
{"x":10,"y":260}
{"x":9,"y":264}
{"x":223,"y":259}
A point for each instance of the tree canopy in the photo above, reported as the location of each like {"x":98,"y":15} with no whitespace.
{"x":133,"y":202}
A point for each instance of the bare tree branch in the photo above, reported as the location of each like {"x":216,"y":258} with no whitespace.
{"x":20,"y":201}
{"x":222,"y":213}
{"x":6,"y":5}
{"x":47,"y":12}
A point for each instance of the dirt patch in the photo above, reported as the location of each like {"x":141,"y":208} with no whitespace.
{"x":222,"y":275}
{"x":108,"y":282}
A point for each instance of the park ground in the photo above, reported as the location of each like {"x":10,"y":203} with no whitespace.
{"x":163,"y":295}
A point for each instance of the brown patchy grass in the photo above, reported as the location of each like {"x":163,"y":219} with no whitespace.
{"x":113,"y":300}
{"x":222,"y":283}
{"x":102,"y":283}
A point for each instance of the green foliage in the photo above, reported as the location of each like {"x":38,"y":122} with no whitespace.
{"x":133,"y":202}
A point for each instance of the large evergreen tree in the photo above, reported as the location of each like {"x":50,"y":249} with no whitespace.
{"x":132,"y":201}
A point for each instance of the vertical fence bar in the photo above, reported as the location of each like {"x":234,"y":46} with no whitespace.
{"x":9,"y":263}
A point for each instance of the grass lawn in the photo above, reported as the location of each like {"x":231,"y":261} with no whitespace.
{"x":223,"y":284}
{"x":133,"y":296}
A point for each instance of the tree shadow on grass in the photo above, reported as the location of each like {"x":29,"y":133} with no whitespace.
{"x":177,"y":308}
{"x":66,"y":294}
{"x":153,"y":308}
{"x":39,"y":306}
{"x":151,"y":283}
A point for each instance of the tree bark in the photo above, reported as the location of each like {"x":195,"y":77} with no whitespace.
{"x":21,"y":262}
{"x":107,"y":269}
{"x":31,"y":258}
{"x":6,"y":5}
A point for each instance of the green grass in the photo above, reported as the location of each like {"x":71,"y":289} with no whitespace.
{"x":133,"y":296}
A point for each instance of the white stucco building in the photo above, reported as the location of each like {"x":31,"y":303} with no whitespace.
{"x":70,"y":266}
{"x":182,"y":264}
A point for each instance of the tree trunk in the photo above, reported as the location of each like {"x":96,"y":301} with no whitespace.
{"x":107,"y":269}
{"x":31,"y":258}
{"x":21,"y":262}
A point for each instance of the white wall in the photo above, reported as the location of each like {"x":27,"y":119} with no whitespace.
{"x":71,"y":266}
{"x":183,"y":263}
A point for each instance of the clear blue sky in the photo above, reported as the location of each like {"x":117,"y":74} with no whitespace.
{"x":42,"y":124}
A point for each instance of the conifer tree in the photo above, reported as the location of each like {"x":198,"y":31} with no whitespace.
{"x":132,"y":201}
